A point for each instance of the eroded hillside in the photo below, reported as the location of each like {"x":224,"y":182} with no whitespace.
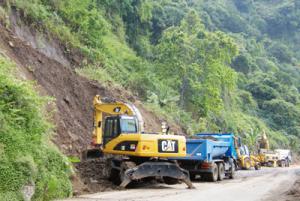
{"x":43,"y":61}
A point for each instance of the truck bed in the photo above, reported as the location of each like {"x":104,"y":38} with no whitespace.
{"x":208,"y":147}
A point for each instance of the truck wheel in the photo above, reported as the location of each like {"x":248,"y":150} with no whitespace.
{"x":282,"y":163}
{"x":213,"y":177}
{"x":247,"y":164}
{"x":221,"y":173}
{"x":232,"y":171}
{"x":170,"y":180}
{"x":257,"y":166}
{"x":270,"y":164}
{"x":287,"y":163}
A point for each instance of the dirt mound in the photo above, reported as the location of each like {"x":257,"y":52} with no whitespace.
{"x":92,"y":182}
{"x":294,"y":193}
{"x":73,"y":95}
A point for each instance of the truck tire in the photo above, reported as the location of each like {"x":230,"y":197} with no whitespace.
{"x":221,"y":172}
{"x":213,"y":176}
{"x":270,"y":164}
{"x":257,"y":166}
{"x":247,"y":164}
{"x":282,"y":163}
{"x":231,"y":174}
{"x":287,"y":163}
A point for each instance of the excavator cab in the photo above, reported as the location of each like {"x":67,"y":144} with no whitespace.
{"x":115,"y":125}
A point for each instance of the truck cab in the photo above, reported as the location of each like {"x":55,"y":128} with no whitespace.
{"x":285,"y":157}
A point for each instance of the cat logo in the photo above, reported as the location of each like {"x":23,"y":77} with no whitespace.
{"x":169,"y":146}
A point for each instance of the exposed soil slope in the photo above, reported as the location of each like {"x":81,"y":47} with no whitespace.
{"x":54,"y":73}
{"x":73,"y":93}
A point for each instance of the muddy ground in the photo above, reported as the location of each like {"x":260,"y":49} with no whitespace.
{"x":46,"y":61}
{"x":268,"y":184}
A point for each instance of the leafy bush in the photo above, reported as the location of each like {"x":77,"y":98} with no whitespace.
{"x":262,"y":92}
{"x":26,"y":155}
{"x":282,"y":114}
{"x":281,"y":52}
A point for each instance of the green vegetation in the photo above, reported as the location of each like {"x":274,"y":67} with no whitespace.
{"x":207,"y":65}
{"x":26,"y":155}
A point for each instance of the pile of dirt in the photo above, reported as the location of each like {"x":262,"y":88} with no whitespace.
{"x":51,"y":68}
{"x":294,"y":193}
{"x":93,"y":174}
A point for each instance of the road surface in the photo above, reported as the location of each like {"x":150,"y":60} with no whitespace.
{"x":265,"y":185}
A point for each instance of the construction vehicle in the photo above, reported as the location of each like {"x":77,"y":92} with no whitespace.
{"x":210,"y":156}
{"x":285,"y":157}
{"x":246,"y":160}
{"x":131,"y":153}
{"x":266,"y":156}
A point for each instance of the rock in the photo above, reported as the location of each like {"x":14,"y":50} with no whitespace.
{"x":28,"y":191}
{"x":11,"y":44}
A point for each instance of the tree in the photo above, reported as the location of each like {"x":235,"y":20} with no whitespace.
{"x":195,"y":62}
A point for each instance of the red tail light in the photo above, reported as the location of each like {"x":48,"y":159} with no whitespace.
{"x":205,"y":165}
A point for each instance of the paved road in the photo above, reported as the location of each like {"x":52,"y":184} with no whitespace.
{"x":252,"y":185}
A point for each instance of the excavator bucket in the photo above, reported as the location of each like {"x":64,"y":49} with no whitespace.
{"x":157,"y":169}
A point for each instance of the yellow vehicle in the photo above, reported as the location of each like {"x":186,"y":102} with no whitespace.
{"x":245,"y":159}
{"x":266,"y":156}
{"x":132,"y":153}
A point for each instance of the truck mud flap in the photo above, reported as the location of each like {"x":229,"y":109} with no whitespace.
{"x":157,"y":169}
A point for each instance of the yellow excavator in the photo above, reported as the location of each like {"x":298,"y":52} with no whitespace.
{"x":133,"y":154}
{"x":266,"y":156}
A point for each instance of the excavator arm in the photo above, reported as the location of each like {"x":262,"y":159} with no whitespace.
{"x":264,"y":142}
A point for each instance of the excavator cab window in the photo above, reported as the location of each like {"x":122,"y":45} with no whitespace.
{"x":244,"y":150}
{"x":111,"y":128}
{"x":128,"y":124}
{"x":115,"y":125}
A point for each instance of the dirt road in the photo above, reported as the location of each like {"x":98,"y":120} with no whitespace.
{"x":266,"y":185}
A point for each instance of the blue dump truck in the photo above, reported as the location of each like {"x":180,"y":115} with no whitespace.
{"x":211,"y":156}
